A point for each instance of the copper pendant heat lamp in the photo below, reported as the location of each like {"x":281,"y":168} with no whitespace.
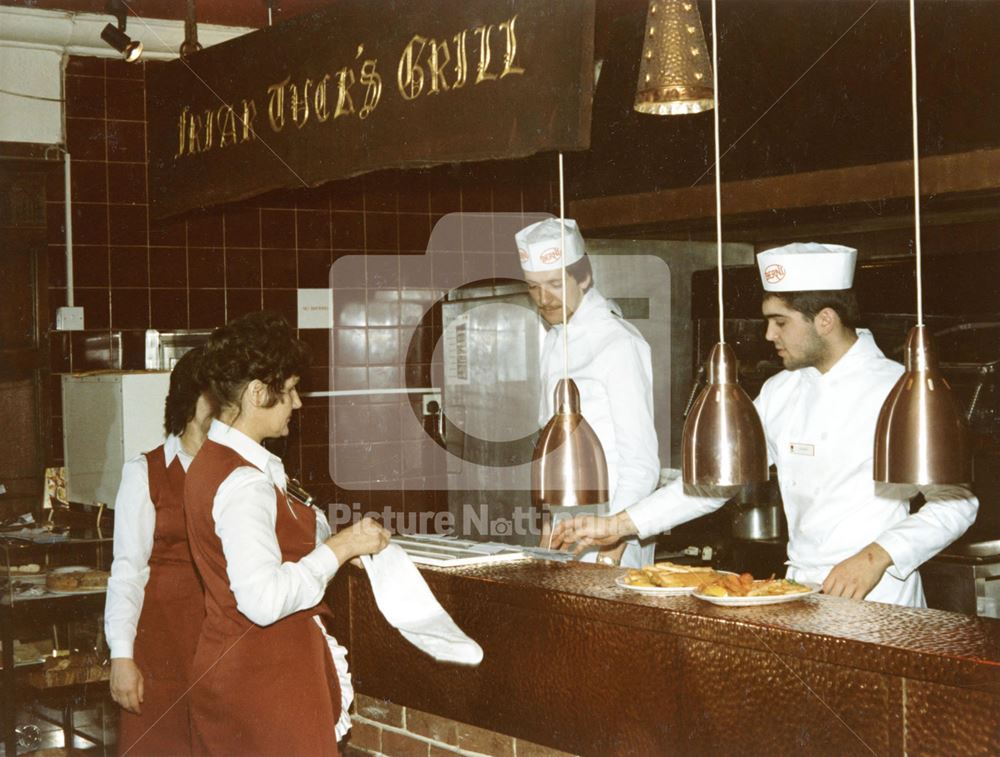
{"x":920,"y":437}
{"x":568,"y":467}
{"x":675,"y":74}
{"x":723,"y":440}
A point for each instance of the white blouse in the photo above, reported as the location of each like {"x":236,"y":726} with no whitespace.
{"x":135,"y":522}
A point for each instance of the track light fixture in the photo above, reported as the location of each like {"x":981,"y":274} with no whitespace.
{"x":130,"y":49}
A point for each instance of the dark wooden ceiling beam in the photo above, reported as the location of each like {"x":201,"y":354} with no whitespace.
{"x":939,"y":175}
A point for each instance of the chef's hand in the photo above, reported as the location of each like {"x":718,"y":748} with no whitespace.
{"x":591,"y":530}
{"x":126,"y":684}
{"x":366,"y":537}
{"x":856,"y":576}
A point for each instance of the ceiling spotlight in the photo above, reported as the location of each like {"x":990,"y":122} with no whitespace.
{"x":130,"y":49}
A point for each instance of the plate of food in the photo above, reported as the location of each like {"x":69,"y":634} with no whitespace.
{"x":76,"y":579}
{"x":743,"y":590}
{"x":666,"y":579}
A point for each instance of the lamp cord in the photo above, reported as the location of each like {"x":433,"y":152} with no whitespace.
{"x":562,"y":252}
{"x":916,"y":162}
{"x":718,"y":171}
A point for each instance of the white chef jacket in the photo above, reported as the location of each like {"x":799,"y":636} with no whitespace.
{"x":267,"y":589}
{"x":135,"y":522}
{"x":610,"y":362}
{"x":820,"y":431}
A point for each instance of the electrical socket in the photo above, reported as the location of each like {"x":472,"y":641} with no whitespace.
{"x":69,"y":319}
{"x":428,"y":398}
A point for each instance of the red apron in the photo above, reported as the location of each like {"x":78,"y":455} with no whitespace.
{"x":173,"y":608}
{"x":258,"y":690}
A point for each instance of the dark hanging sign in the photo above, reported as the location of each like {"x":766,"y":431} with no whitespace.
{"x":367,"y":85}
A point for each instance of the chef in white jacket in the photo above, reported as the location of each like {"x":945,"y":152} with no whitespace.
{"x":854,"y":536}
{"x":610,"y":362}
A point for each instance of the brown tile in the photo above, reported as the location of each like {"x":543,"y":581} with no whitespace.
{"x":130,"y":308}
{"x":381,"y":191}
{"x":414,"y":231}
{"x":277,"y":228}
{"x":316,"y":464}
{"x":506,"y":198}
{"x":537,"y":197}
{"x":381,"y":232}
{"x":86,"y":138}
{"x":432,"y":726}
{"x":379,"y":710}
{"x":126,"y":100}
{"x":242,"y":301}
{"x":348,"y":271}
{"x":314,"y":268}
{"x":319,"y":344}
{"x":119,"y":69}
{"x":414,"y":271}
{"x":382,"y":273}
{"x":242,"y":269}
{"x":133,"y":348}
{"x":57,"y":298}
{"x":127,"y":183}
{"x":168,"y":267}
{"x":168,"y":308}
{"x":365,"y":736}
{"x":96,"y":304}
{"x":312,"y":198}
{"x":283,"y":302}
{"x":128,"y":224}
{"x":242,"y":226}
{"x":129,"y":266}
{"x":55,"y":223}
{"x":400,"y":745}
{"x":352,"y":421}
{"x":344,"y":378}
{"x":445,"y":194}
{"x":206,"y":267}
{"x":279,"y":198}
{"x":85,"y":97}
{"x":350,"y":347}
{"x":126,"y":142}
{"x":279,"y":268}
{"x":89,"y":181}
{"x":59,"y":357}
{"x":314,"y":425}
{"x":90,"y":224}
{"x":84,"y":65}
{"x":206,"y":308}
{"x":347,"y":194}
{"x":481,"y":740}
{"x":317,"y":379}
{"x":348,"y":230}
{"x":414,"y":192}
{"x":206,"y":229}
{"x":171,"y":231}
{"x":90,"y":266}
{"x":530,"y":749}
{"x":55,"y":186}
{"x":477,"y":197}
{"x":440,"y":751}
{"x":312,"y":229}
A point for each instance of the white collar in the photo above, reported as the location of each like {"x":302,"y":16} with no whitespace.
{"x":249,"y":450}
{"x":172,"y":447}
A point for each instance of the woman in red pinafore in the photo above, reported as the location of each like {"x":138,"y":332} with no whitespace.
{"x":155,"y":602}
{"x":268,"y":679}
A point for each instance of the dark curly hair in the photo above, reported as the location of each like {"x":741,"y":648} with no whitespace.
{"x":185,"y":388}
{"x":844,"y":302}
{"x":259,"y":346}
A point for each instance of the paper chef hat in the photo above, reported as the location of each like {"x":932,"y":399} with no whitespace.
{"x":807,"y":266}
{"x":538,"y":245}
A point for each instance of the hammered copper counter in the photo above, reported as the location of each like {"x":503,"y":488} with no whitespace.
{"x":576,"y":663}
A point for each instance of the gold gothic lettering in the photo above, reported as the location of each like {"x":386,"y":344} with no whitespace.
{"x":461,"y":61}
{"x":276,"y":105}
{"x":319,"y":100}
{"x":511,"y":48}
{"x":373,"y":82}
{"x":249,"y":114}
{"x":182,"y":132}
{"x":344,"y":94}
{"x":484,"y":54}
{"x":437,"y":63}
{"x":409,"y":73}
{"x":227,"y":125}
{"x":300,"y":105}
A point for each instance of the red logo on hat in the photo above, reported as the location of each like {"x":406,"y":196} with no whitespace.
{"x":550,"y":256}
{"x":523,"y":255}
{"x":774,"y":273}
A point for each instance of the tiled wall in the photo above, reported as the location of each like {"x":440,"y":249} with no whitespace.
{"x":202,"y":269}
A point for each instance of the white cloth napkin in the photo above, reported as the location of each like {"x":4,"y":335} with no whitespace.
{"x":407,"y":603}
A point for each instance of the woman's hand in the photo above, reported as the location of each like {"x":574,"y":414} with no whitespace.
{"x":126,"y":684}
{"x":366,"y":537}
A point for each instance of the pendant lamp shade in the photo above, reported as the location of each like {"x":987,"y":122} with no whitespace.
{"x":568,"y":467}
{"x":675,"y":72}
{"x":723,"y":441}
{"x":921,"y":437}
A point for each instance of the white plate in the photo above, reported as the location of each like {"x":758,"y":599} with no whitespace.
{"x":753,"y":601}
{"x":662,"y":591}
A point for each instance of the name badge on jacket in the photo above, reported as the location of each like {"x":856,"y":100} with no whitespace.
{"x":798,"y":448}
